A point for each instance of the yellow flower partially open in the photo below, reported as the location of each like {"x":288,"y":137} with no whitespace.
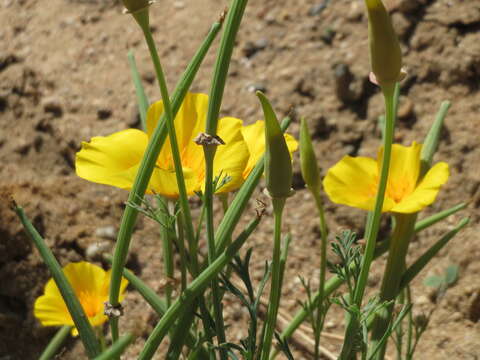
{"x":353,"y":181}
{"x":114,"y":160}
{"x":90,"y":284}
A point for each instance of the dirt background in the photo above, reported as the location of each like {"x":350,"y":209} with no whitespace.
{"x":64,"y":78}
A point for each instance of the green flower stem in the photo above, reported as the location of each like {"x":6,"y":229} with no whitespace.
{"x":372,"y":230}
{"x":222,"y":64}
{"x":209,"y":152}
{"x":182,"y":251}
{"x":165,"y":234}
{"x":335,"y":282}
{"x":276,"y":285}
{"x":85,"y":330}
{"x":193,"y":290}
{"x":142,"y":99}
{"x":117,"y":348}
{"x":394,"y":270}
{"x":56,"y":343}
{"x":374,"y":223}
{"x":145,"y":172}
{"x":239,"y":203}
{"x":323,"y":267}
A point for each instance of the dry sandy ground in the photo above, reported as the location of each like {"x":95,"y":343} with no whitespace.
{"x":65,"y":78}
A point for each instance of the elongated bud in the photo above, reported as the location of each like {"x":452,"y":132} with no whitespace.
{"x":385,"y":53}
{"x":278,"y":163}
{"x":140,"y":12}
{"x":135,"y":5}
{"x":308,"y":161}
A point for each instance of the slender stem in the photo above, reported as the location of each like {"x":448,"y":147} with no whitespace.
{"x":146,"y":168}
{"x":209,"y":152}
{"x":372,"y":230}
{"x":276,"y":286}
{"x":56,"y":343}
{"x":323,"y":267}
{"x":394,"y":271}
{"x":116,"y":349}
{"x":165,"y":233}
{"x":182,"y":251}
{"x":374,"y":223}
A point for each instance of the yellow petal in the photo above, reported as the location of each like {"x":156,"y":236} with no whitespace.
{"x":426,"y":191}
{"x":231,"y":158}
{"x":189,"y":122}
{"x":353,"y":182}
{"x":109,"y":160}
{"x":52,"y":311}
{"x":254,"y":136}
{"x":404,"y":170}
{"x":84,"y":276}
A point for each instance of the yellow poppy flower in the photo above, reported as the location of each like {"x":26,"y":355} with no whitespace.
{"x":90,"y":284}
{"x":254,"y":136}
{"x":115,"y":159}
{"x":354,"y":181}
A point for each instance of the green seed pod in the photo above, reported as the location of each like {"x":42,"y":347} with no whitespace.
{"x":385,"y":53}
{"x":278,"y":163}
{"x":308,"y":161}
{"x":135,"y":5}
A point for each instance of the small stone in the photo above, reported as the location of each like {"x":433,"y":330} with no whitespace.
{"x":96,"y":250}
{"x":330,"y":325}
{"x":22,"y":147}
{"x":317,"y":9}
{"x":251,"y":48}
{"x":104,"y":114}
{"x":106,"y":232}
{"x":52,"y":105}
{"x":422,"y":300}
{"x":256,"y":87}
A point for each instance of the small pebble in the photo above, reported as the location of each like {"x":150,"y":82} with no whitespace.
{"x":256,"y":87}
{"x":52,"y":105}
{"x":317,"y":9}
{"x":106,"y":232}
{"x":97,"y":249}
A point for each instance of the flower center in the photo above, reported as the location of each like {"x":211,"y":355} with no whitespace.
{"x":398,"y":189}
{"x":91,"y":303}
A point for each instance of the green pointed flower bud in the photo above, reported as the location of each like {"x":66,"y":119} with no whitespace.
{"x":135,"y":5}
{"x":308,"y":160}
{"x":278,"y":163}
{"x":385,"y":53}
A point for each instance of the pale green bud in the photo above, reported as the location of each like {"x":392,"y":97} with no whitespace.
{"x":308,"y":160}
{"x":278,"y":163}
{"x":135,"y":5}
{"x":385,"y":52}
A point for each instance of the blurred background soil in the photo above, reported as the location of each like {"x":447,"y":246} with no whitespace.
{"x":64,"y":78}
